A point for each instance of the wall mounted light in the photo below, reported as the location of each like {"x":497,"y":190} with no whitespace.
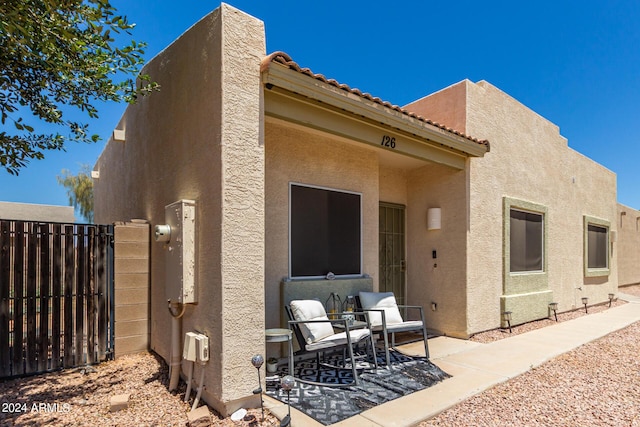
{"x":554,"y":306}
{"x":611,"y":299}
{"x":434,"y":219}
{"x":506,"y":316}
{"x":585,"y":301}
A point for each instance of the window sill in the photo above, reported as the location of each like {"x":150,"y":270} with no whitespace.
{"x":597,"y":272}
{"x":527,"y":273}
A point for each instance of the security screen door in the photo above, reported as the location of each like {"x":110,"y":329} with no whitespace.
{"x":392,"y":250}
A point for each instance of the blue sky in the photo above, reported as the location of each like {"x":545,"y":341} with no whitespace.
{"x":575,"y":63}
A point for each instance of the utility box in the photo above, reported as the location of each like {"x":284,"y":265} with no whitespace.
{"x":180,"y":253}
{"x":189,"y":350}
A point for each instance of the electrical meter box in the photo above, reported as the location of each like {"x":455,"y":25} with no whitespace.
{"x":180,"y":252}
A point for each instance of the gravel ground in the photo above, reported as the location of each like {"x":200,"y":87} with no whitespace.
{"x":498,"y":334}
{"x":80,"y":397}
{"x":596,"y":384}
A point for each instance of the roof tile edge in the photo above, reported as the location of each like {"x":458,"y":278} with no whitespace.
{"x":284,"y":59}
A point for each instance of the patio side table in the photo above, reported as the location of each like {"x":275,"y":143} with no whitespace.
{"x":282,"y":335}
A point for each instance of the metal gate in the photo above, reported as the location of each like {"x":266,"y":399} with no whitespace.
{"x":56,"y":296}
{"x":392,"y":250}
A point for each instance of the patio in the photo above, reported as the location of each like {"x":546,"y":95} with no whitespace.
{"x":476,"y":367}
{"x":328,"y":405}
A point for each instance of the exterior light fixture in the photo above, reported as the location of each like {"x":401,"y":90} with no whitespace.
{"x":257,"y":362}
{"x":554,"y":306}
{"x":287,"y":383}
{"x":610,"y":299}
{"x":585,"y":301}
{"x":434,"y":219}
{"x":506,"y":316}
{"x":118,"y":135}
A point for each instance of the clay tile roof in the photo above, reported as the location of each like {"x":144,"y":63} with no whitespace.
{"x":284,"y":59}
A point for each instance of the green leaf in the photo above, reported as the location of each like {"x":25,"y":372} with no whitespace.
{"x":56,"y":55}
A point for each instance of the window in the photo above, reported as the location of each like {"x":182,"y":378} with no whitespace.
{"x":325,"y":232}
{"x":597,"y":244}
{"x":526,"y":241}
{"x":596,"y":247}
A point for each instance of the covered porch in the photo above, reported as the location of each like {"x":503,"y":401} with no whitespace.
{"x":325,"y":141}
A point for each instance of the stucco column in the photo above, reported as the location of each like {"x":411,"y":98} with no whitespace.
{"x":242,"y":202}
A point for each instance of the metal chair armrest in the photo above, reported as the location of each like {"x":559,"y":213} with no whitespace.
{"x":332,"y":321}
{"x":410,"y":306}
{"x":417,"y":307}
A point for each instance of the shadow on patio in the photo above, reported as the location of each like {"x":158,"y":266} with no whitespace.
{"x":327,"y":405}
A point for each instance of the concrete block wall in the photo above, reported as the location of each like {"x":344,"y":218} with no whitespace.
{"x":131,"y":274}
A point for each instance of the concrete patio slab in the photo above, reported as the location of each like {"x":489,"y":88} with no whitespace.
{"x":439,"y":347}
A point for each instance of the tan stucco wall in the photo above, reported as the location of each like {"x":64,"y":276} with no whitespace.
{"x":628,"y":245}
{"x":530,"y":162}
{"x":441,"y":280}
{"x":294,"y":154}
{"x":393,"y":185}
{"x":448,"y":106}
{"x":199,"y":139}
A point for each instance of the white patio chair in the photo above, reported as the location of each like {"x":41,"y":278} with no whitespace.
{"x":315,"y":334}
{"x":385,"y":318}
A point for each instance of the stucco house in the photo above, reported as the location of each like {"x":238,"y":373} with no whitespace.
{"x":465,"y":202}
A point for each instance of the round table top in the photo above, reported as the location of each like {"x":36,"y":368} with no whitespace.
{"x":278,"y":334}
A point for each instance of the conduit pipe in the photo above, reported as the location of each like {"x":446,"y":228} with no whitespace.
{"x":200,"y":386}
{"x":188,"y":392}
{"x":176,"y":310}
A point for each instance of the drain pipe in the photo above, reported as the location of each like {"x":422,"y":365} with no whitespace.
{"x":176,"y":310}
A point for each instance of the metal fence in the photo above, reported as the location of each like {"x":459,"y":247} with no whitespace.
{"x":56,"y":296}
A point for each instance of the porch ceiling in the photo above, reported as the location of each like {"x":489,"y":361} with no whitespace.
{"x":293,"y":96}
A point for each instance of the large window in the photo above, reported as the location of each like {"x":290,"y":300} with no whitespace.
{"x":526,"y":241}
{"x":325,"y":232}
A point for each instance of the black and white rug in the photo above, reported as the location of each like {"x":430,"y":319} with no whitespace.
{"x":330,"y":405}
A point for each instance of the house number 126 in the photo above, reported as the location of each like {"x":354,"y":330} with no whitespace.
{"x":388,"y":141}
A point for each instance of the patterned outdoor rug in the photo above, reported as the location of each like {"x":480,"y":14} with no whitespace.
{"x":330,"y":405}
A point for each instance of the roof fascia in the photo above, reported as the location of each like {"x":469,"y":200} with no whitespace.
{"x":293,"y":81}
{"x":299,"y":110}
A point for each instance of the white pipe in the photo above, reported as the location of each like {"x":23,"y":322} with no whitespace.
{"x":200,"y":387}
{"x":176,"y":331}
{"x":186,"y":395}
